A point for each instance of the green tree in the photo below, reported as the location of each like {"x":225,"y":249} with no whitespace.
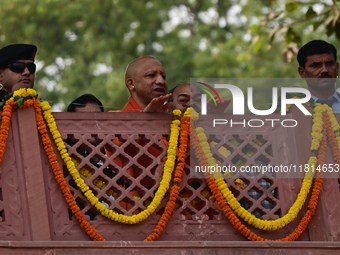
{"x":85,"y":45}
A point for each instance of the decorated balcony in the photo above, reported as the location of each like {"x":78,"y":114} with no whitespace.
{"x":121,"y":158}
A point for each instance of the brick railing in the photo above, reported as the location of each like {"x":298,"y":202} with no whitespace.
{"x":32,"y":207}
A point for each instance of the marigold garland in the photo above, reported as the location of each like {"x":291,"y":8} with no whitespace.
{"x":243,"y":213}
{"x":234,"y":219}
{"x":332,"y":128}
{"x":174,"y":191}
{"x":317,"y":128}
{"x":7,"y":113}
{"x":16,"y":100}
{"x":52,"y":158}
{"x":163,"y":187}
{"x":5,"y":122}
{"x":325,"y":126}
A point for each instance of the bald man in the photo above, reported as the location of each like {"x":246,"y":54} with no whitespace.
{"x":145,"y":79}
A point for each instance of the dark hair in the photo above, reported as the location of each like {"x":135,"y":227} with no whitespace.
{"x":314,"y":47}
{"x":82,"y":100}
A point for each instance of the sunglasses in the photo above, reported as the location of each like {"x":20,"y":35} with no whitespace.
{"x":19,"y":67}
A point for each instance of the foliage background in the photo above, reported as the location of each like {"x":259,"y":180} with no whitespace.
{"x":85,"y":45}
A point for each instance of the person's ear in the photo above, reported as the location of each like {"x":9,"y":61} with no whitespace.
{"x":1,"y":76}
{"x":130,"y":84}
{"x":301,"y":72}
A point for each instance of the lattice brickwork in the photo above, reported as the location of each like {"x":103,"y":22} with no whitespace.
{"x":127,"y":180}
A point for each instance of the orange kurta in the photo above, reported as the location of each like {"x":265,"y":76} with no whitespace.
{"x":131,"y":106}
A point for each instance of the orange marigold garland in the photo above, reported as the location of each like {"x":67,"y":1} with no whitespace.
{"x":174,"y":191}
{"x":28,"y":98}
{"x":86,"y":190}
{"x":5,"y":122}
{"x":332,"y":138}
{"x":327,"y":130}
{"x":234,"y":219}
{"x":52,"y":158}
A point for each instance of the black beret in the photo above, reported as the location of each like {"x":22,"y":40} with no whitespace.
{"x":17,"y":52}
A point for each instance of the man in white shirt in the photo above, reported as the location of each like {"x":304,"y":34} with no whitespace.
{"x":319,"y":67}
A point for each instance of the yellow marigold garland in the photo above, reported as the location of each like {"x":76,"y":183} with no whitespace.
{"x":243,"y":213}
{"x":237,"y":224}
{"x":26,"y":98}
{"x":317,"y":127}
{"x":163,"y":187}
{"x":324,"y":125}
{"x":333,"y":129}
{"x":174,"y":192}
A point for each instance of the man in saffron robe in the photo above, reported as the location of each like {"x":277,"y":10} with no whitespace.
{"x":145,"y":79}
